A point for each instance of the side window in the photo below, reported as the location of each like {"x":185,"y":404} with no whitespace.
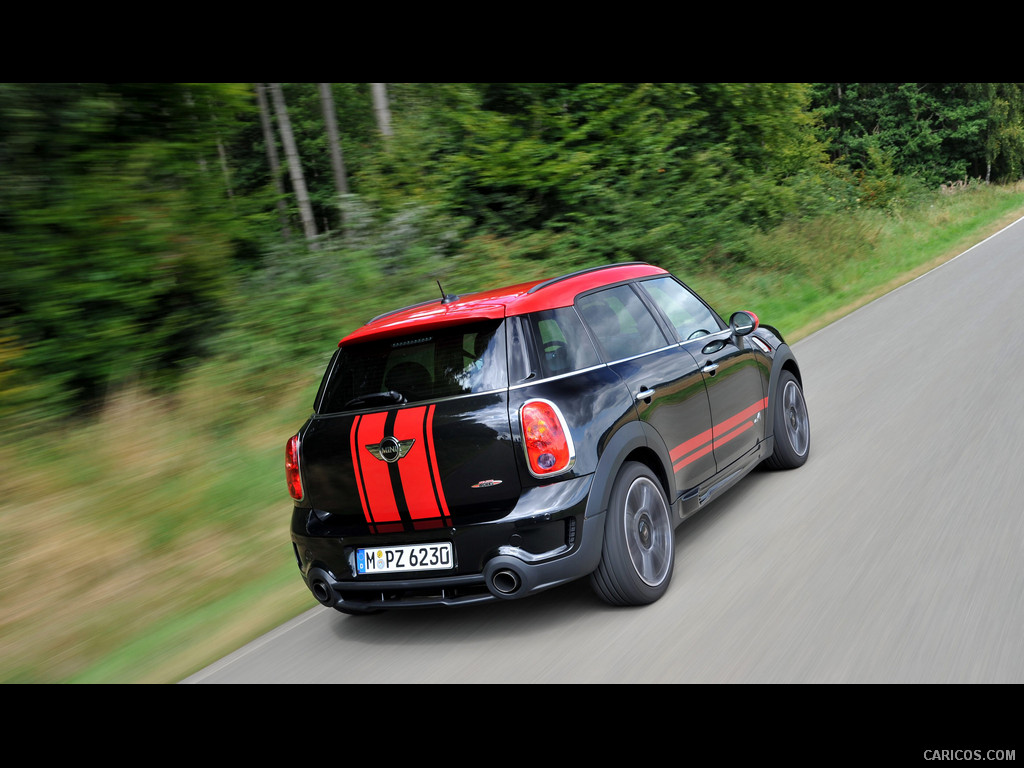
{"x":562,"y":343}
{"x":620,"y":322}
{"x":689,"y":315}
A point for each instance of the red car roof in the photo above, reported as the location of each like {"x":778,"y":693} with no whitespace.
{"x":502,"y":302}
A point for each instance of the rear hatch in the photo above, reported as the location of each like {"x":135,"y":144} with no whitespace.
{"x":412,"y":432}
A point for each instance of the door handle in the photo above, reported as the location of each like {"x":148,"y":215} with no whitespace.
{"x":709,"y":368}
{"x":644,"y":394}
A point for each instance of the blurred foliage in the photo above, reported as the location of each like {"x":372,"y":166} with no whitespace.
{"x":139,"y":236}
{"x":936,"y":132}
{"x":114,"y":236}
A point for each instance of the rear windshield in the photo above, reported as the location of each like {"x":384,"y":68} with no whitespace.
{"x":441,"y":362}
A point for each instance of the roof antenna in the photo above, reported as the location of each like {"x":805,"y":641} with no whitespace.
{"x":446,"y":298}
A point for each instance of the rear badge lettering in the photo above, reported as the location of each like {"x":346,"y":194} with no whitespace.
{"x":486,"y":484}
{"x":390,"y":449}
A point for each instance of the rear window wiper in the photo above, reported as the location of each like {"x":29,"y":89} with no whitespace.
{"x":377,"y":398}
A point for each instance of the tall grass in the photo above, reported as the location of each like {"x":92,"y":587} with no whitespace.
{"x":132,"y":521}
{"x":148,"y":542}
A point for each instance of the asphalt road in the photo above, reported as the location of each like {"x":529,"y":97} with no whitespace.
{"x":895,"y":555}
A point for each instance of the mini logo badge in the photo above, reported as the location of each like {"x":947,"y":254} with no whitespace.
{"x":486,"y":484}
{"x":390,"y":449}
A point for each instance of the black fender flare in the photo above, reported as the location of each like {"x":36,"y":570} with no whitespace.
{"x":782,"y":359}
{"x":636,"y":435}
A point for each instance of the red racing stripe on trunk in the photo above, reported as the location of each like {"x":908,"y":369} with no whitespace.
{"x":380,"y":505}
{"x":414,"y":467}
{"x":438,"y":488}
{"x":353,"y":445}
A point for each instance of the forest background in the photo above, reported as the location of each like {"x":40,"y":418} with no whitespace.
{"x":179,"y":259}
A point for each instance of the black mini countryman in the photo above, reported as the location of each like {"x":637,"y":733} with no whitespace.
{"x":493,"y":445}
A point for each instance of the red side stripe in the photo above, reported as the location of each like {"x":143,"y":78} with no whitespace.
{"x":746,"y":413}
{"x":692,"y":457}
{"x":691,"y":450}
{"x":694,"y":442}
{"x":729,"y":436}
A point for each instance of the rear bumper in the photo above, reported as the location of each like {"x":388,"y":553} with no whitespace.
{"x":495,"y":561}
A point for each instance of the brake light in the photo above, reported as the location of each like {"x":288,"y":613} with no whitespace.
{"x":546,"y":438}
{"x":291,"y":468}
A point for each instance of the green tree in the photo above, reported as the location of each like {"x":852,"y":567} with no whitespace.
{"x":1002,"y":141}
{"x":618,"y":169}
{"x":935,"y":132}
{"x":115,"y":235}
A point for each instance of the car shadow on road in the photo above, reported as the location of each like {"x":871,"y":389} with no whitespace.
{"x":560,"y":606}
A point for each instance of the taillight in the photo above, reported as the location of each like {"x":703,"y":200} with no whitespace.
{"x":291,"y":468}
{"x":546,"y":438}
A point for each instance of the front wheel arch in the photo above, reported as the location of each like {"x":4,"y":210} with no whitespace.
{"x":790,"y":424}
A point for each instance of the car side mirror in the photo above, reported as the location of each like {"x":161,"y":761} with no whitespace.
{"x":743,"y":323}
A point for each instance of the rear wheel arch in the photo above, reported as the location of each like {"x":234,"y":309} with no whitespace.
{"x":636,"y":441}
{"x":657,"y":465}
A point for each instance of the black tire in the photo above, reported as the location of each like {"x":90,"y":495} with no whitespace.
{"x":638,"y":554}
{"x":791,"y":427}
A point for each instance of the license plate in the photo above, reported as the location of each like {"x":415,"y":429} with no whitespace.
{"x":410,"y":557}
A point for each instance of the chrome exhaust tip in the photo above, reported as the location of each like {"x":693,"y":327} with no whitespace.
{"x":506,"y":581}
{"x":320,"y":586}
